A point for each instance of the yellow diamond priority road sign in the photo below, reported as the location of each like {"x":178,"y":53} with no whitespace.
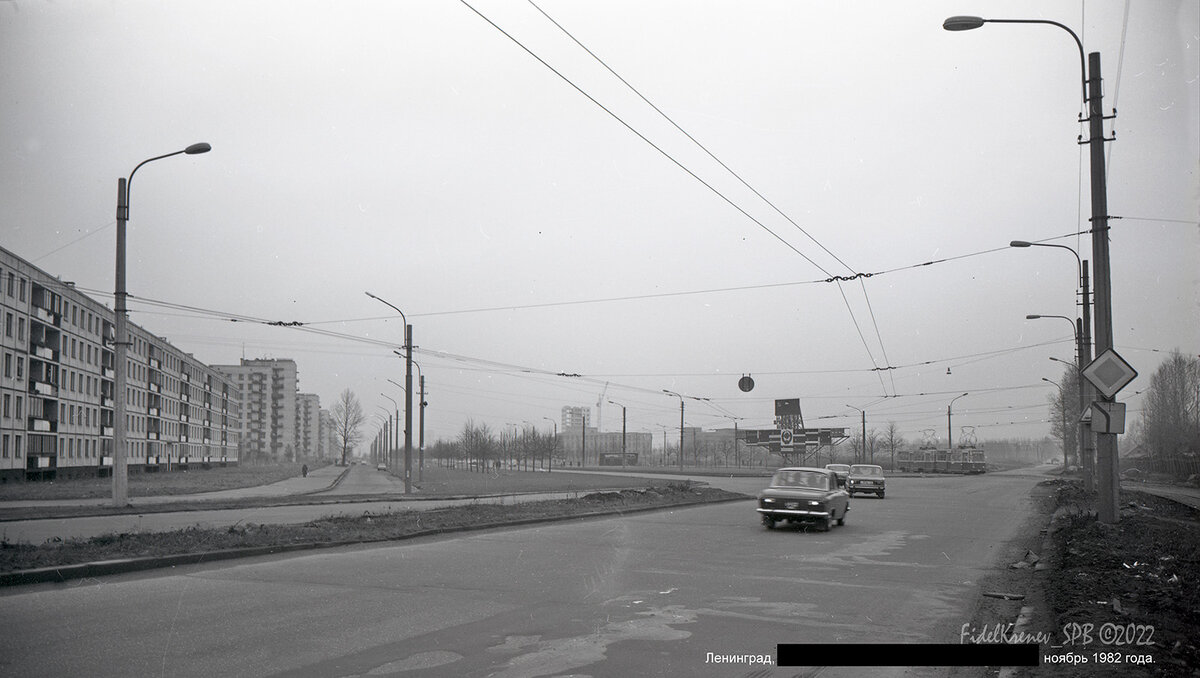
{"x":1109,"y":373}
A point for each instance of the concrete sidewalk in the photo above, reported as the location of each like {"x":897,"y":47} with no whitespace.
{"x":1183,"y":494}
{"x":318,"y":480}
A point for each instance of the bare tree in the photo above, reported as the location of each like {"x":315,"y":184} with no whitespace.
{"x":892,"y":439}
{"x":1064,"y":411}
{"x":347,"y":419}
{"x":1171,"y":414}
{"x":477,"y":442}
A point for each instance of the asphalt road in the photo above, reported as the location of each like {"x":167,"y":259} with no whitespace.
{"x":643,"y":595}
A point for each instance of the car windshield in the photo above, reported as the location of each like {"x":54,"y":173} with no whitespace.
{"x":838,"y":467}
{"x":812,"y":479}
{"x":866,"y":470}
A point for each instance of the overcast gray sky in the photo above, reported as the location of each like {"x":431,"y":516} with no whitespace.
{"x":416,"y":151}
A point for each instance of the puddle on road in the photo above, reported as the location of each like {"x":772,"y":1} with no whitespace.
{"x":867,"y":551}
{"x":559,"y":655}
{"x":421,"y":660}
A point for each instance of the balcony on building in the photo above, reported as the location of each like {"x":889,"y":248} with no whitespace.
{"x":42,"y":425}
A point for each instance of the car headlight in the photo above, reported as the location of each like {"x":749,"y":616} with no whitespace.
{"x":814,"y":503}
{"x":768,"y":500}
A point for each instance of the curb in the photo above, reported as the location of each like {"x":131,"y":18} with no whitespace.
{"x":63,"y":573}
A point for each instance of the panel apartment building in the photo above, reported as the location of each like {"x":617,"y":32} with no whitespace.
{"x":278,"y":423}
{"x":268,"y":388}
{"x":58,"y":383}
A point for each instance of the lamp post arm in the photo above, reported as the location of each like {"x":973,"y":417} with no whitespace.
{"x":1074,"y":36}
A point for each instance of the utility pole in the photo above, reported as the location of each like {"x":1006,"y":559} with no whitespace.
{"x":1087,"y":446}
{"x":421,"y":462}
{"x":1106,"y":443}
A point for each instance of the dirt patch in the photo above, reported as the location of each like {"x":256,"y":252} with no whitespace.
{"x":1125,"y":593}
{"x":343,"y":530}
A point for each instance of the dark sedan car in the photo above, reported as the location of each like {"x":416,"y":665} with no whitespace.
{"x":803,"y":495}
{"x":867,"y":478}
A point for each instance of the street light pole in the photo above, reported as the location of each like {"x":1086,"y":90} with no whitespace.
{"x":1084,"y":462}
{"x":407,"y":394}
{"x":949,"y":439}
{"x":864,"y":434}
{"x":1063,"y":398}
{"x":554,"y":447}
{"x":396,"y":434}
{"x":680,"y":427}
{"x":1093,"y":97}
{"x":622,"y":431}
{"x":120,"y":473}
{"x":1083,"y":351}
{"x":421,"y":416}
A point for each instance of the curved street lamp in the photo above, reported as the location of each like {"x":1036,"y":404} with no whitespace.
{"x":680,"y":427}
{"x":120,"y":473}
{"x":613,"y":402}
{"x":421,"y":412}
{"x":550,"y":462}
{"x":949,"y":440}
{"x":407,"y":393}
{"x":864,"y":433}
{"x":1093,"y":98}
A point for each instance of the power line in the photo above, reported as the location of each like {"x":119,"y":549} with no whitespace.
{"x":89,"y":234}
{"x":736,"y":175}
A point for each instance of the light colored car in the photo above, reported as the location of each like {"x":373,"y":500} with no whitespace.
{"x":381,"y":467}
{"x":842,"y":471}
{"x":803,"y":495}
{"x":866,"y":478}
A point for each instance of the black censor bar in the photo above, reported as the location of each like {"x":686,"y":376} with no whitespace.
{"x":907,"y":654}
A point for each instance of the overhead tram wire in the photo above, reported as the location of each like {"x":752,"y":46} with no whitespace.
{"x":678,"y":164}
{"x":496,"y":366}
{"x":755,"y":191}
{"x":666,"y":295}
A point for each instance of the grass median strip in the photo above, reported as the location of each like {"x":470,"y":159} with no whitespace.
{"x":253,"y":538}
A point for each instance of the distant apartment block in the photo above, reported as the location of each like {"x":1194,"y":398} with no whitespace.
{"x":58,"y":384}
{"x":308,"y":426}
{"x":574,"y":417}
{"x":268,"y":389}
{"x":327,"y":447}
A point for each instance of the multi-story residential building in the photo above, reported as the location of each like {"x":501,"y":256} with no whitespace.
{"x":268,"y":389}
{"x":308,"y":426}
{"x":573,"y":417}
{"x":58,"y":385}
{"x":327,"y":447}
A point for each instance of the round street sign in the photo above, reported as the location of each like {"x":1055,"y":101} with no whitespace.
{"x":746,"y":383}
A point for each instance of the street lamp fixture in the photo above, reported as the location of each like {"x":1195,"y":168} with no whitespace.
{"x":407,"y":394}
{"x":120,"y":473}
{"x":1093,"y":98}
